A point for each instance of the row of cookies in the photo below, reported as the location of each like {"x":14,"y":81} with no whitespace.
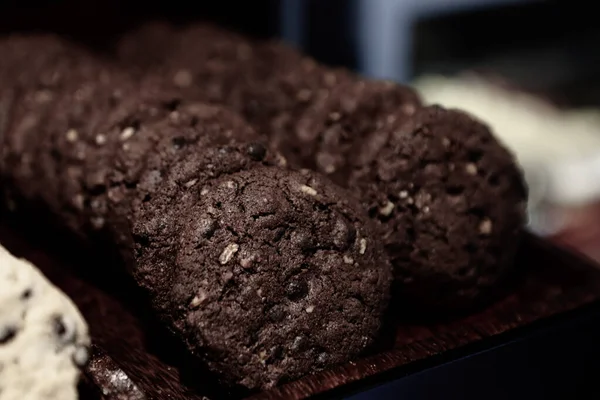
{"x":177,"y":157}
{"x":245,"y":261}
{"x":449,"y":197}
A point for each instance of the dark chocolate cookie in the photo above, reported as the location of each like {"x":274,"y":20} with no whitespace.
{"x":451,"y":200}
{"x":274,"y":274}
{"x":269,"y":84}
{"x":331,"y":129}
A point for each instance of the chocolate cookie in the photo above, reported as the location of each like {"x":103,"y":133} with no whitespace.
{"x":269,"y":84}
{"x":451,"y":200}
{"x":272,"y":274}
{"x":332,"y":129}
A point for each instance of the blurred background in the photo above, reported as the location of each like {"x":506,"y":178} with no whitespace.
{"x":529,"y":68}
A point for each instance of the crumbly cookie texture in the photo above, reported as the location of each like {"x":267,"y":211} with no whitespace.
{"x":452,"y":201}
{"x":44,"y":339}
{"x":277,"y":273}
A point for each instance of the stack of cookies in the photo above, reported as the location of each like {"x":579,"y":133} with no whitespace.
{"x":265,"y":203}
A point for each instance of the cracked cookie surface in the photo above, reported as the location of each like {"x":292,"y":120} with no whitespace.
{"x":451,"y":200}
{"x":275,"y":274}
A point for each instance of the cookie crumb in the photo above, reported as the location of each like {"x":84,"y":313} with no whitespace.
{"x":387,"y":209}
{"x":228,"y":253}
{"x":127,"y":133}
{"x":485,"y":227}
{"x":72,"y":135}
{"x":204,"y":192}
{"x":183,"y":78}
{"x":363,"y":246}
{"x":471,"y":169}
{"x":308,"y":190}
{"x":310,"y":309}
{"x":348,"y":260}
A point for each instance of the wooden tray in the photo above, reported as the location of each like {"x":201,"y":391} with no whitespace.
{"x":547,"y":281}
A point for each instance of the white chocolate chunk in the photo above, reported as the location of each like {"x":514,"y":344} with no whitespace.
{"x":228,"y":253}
{"x":308,"y":190}
{"x":43,"y":337}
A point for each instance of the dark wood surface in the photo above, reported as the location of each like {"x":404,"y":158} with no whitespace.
{"x":546,"y":282}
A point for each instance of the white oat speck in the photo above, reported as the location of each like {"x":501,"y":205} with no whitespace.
{"x":308,"y":190}
{"x":183,"y":78}
{"x":348,"y":260}
{"x":403,"y":194}
{"x":72,"y":135}
{"x":100,"y":139}
{"x":387,"y":209}
{"x":97,"y":223}
{"x":330,"y":79}
{"x":310,"y":309}
{"x":127,"y":133}
{"x":363,"y":246}
{"x":303,"y":95}
{"x":471,"y":169}
{"x":485,"y":227}
{"x":228,"y":253}
{"x":198,"y":299}
{"x":191,"y":183}
{"x":335,"y":116}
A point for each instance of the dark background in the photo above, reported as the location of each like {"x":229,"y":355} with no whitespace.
{"x":548,"y":47}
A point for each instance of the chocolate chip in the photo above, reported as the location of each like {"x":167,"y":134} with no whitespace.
{"x":26,"y":294}
{"x":296,"y":290}
{"x":257,"y":151}
{"x":299,"y":343}
{"x":178,"y":142}
{"x":343,"y":234}
{"x":62,"y":330}
{"x":277,"y":314}
{"x":59,"y":326}
{"x":7,"y":333}
{"x":323,"y":358}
